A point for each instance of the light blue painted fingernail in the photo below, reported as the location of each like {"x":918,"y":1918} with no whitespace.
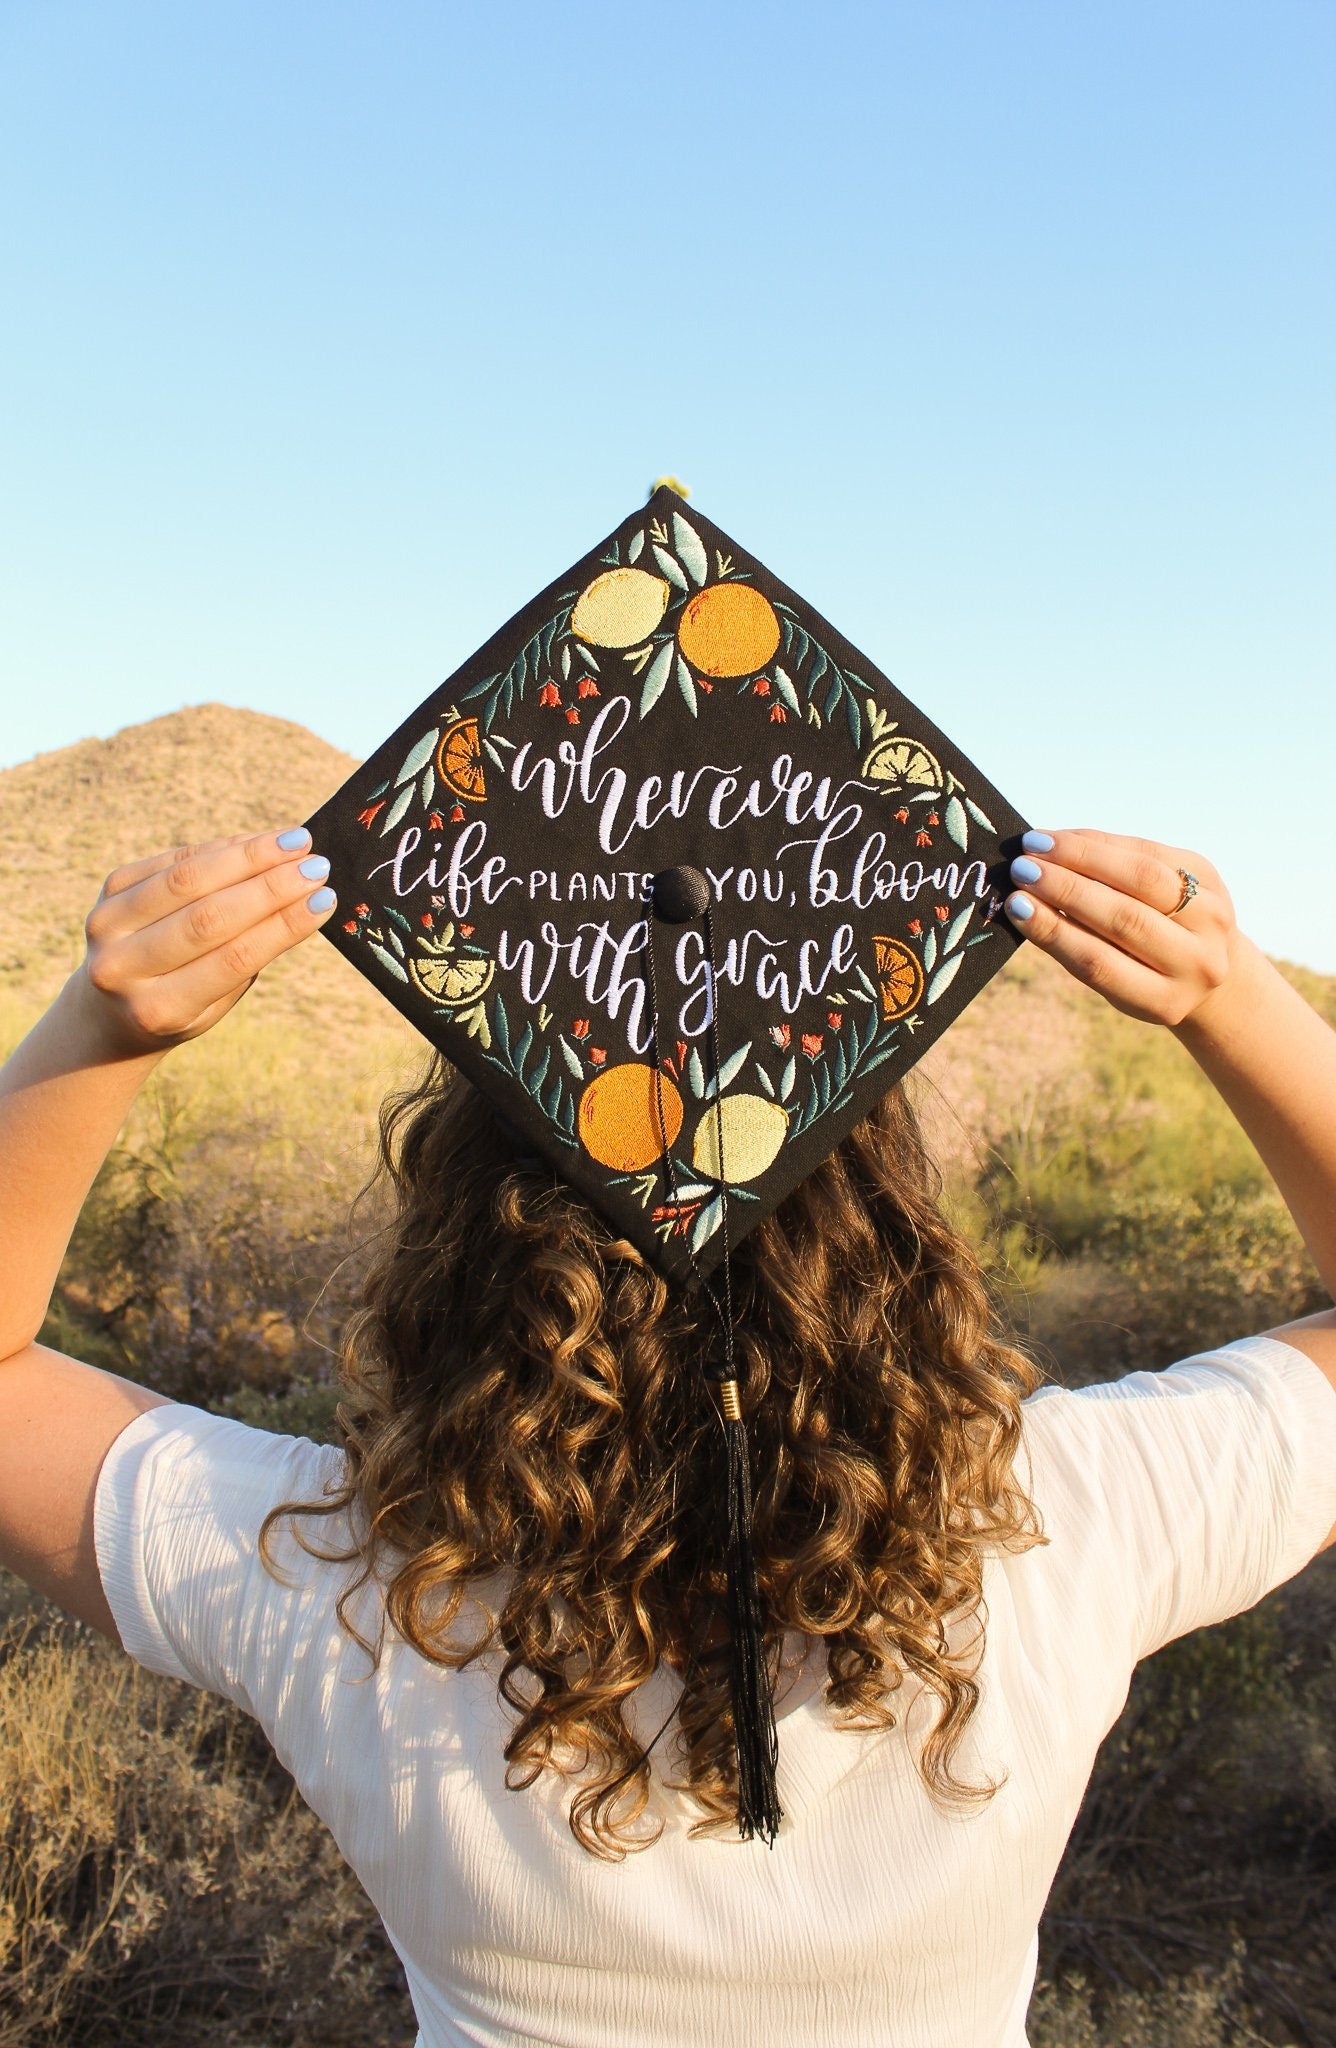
{"x":1022,"y":870}
{"x":1037,"y":842}
{"x":316,"y":867}
{"x":295,"y":836}
{"x":323,"y":900}
{"x":1019,"y":907}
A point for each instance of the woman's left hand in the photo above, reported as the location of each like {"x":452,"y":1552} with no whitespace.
{"x":1104,"y":907}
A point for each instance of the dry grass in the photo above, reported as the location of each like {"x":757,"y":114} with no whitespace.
{"x":160,"y":1879}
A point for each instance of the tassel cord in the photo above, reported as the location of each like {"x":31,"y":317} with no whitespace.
{"x":756,"y":1738}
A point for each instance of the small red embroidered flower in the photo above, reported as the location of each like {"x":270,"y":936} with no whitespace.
{"x":436,"y":823}
{"x":933,"y":818}
{"x":549,"y":694}
{"x":941,"y":913}
{"x":427,"y":919}
{"x":580,"y":1028}
{"x":351,"y":925}
{"x":681,"y":1049}
{"x":368,"y":816}
{"x":915,"y":925}
{"x":834,"y":1019}
{"x":811,"y":1043}
{"x":466,"y":931}
{"x":922,"y":838}
{"x":457,"y":815}
{"x":364,"y":910}
{"x":596,"y":1055}
{"x":704,"y":685}
{"x":572,"y":715}
{"x":762,"y":686}
{"x":781,"y":1035}
{"x":902,"y":817}
{"x":588,"y":687}
{"x":778,"y":714}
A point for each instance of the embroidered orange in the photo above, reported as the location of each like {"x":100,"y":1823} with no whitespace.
{"x":899,"y":977}
{"x":904,"y":763}
{"x":459,"y":761}
{"x":619,"y":608}
{"x":728,"y":629}
{"x":619,"y":1116}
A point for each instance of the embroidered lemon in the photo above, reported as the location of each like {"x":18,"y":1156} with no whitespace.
{"x":754,"y":1129}
{"x":899,"y":977}
{"x":459,"y":761}
{"x":728,"y":630}
{"x":904,"y":763}
{"x":619,"y":1116}
{"x":619,"y":608}
{"x":451,"y":982}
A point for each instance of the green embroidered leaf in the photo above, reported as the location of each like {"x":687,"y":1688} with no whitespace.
{"x":539,"y":1074}
{"x":671,"y":568}
{"x":930,"y":952}
{"x":944,"y":976}
{"x":854,"y":716}
{"x":788,"y":695}
{"x":787,"y":1079}
{"x":418,"y":756}
{"x":957,"y":824}
{"x":764,"y":1079}
{"x":501,"y":1024}
{"x":566,"y":663}
{"x":493,"y":752}
{"x":707,"y":1223}
{"x":397,"y":808}
{"x":566,"y":1115}
{"x":957,"y":930}
{"x":657,"y":679}
{"x":634,"y":546}
{"x":696,"y":1075}
{"x":730,"y":1070}
{"x":428,"y":786}
{"x":688,"y":544}
{"x":571,"y":1057}
{"x":524,"y":1048}
{"x":979,"y":817}
{"x":552,"y":1101}
{"x":585,"y":655}
{"x":387,"y":960}
{"x":686,"y":686}
{"x":395,"y":940}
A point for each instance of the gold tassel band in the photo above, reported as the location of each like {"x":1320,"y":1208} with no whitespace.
{"x":730,"y":1400}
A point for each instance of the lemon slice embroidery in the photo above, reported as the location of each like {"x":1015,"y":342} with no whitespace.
{"x":451,"y":982}
{"x":904,"y":763}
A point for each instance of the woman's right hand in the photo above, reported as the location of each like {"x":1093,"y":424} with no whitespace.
{"x":176,"y":939}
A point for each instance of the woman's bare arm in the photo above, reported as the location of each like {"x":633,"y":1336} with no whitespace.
{"x":174,"y":941}
{"x":1100,"y":905}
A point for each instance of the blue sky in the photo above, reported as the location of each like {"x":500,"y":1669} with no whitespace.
{"x":1005,"y":332}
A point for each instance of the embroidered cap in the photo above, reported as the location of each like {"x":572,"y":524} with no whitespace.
{"x":683,"y":883}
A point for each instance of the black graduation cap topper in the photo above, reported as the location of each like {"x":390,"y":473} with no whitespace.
{"x":677,"y":877}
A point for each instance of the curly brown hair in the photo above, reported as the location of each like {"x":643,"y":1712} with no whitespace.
{"x":524,"y":1396}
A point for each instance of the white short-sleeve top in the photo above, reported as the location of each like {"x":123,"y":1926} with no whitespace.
{"x":878,"y":1919}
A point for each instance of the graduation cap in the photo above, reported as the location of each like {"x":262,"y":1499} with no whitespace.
{"x":683,"y":883}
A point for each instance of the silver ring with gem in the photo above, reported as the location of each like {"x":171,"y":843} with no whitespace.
{"x":1190,"y":886}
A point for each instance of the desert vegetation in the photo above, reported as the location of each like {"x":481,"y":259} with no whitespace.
{"x":160,"y":1880}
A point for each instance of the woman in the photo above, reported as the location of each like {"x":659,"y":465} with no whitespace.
{"x":533,"y":1781}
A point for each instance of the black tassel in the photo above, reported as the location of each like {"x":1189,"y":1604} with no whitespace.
{"x":754,"y":1731}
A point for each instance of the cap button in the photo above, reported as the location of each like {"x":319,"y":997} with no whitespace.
{"x":679,"y":894}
